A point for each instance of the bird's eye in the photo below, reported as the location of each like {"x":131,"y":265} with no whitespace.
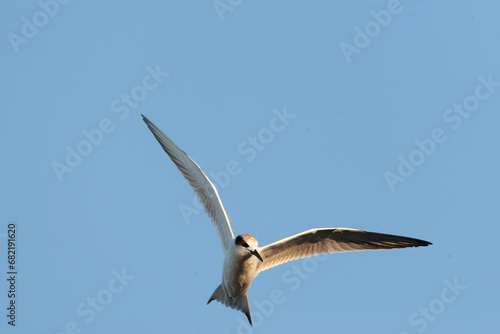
{"x":245,"y":244}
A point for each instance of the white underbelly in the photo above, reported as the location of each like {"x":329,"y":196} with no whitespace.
{"x":237,"y":277}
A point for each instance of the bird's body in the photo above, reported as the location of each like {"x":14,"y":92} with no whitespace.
{"x":238,"y":271}
{"x":244,"y":259}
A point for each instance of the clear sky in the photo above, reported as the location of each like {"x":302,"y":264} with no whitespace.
{"x":376,"y":115}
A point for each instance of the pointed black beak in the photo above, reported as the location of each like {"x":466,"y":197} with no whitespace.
{"x":257,"y":255}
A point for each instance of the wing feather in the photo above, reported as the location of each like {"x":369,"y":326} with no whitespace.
{"x":330,"y":240}
{"x":201,"y":184}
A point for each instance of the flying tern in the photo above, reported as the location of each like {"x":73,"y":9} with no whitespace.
{"x":244,"y":259}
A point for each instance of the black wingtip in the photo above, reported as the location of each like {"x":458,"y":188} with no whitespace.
{"x":423,"y":243}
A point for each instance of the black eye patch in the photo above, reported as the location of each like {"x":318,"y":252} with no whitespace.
{"x":241,"y":241}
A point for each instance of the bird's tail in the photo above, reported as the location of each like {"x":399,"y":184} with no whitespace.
{"x":240,"y":304}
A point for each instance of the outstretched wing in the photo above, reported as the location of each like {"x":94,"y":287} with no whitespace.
{"x":329,"y":240}
{"x":200,"y":183}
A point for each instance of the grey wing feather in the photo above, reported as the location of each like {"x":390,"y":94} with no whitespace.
{"x":201,"y":184}
{"x":330,"y":240}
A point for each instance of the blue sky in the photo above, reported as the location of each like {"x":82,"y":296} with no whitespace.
{"x":377,"y":115}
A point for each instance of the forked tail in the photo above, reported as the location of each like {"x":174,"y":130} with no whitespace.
{"x":240,"y":304}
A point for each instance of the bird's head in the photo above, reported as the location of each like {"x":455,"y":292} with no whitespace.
{"x":249,"y":243}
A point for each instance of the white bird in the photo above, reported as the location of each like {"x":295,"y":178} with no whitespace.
{"x":244,"y":259}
